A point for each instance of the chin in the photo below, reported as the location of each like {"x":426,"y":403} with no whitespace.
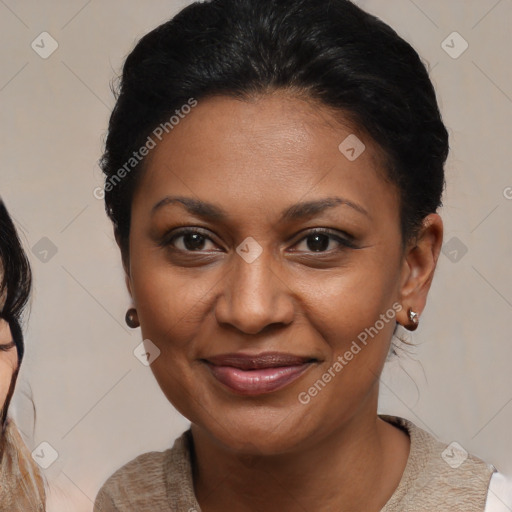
{"x":258,"y":430}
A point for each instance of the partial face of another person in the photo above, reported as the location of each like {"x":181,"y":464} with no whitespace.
{"x":8,"y":361}
{"x":286,"y":253}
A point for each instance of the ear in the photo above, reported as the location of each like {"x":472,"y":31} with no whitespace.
{"x":126,"y":261}
{"x":419,"y":264}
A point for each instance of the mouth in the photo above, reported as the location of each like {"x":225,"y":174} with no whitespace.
{"x":259,"y":374}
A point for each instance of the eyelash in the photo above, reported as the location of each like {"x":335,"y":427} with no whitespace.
{"x":344,"y":242}
{"x":7,"y":346}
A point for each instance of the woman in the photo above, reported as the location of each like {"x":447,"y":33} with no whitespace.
{"x":21,"y":485}
{"x":273,"y":172}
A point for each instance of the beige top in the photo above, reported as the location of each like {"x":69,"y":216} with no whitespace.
{"x":162,"y":481}
{"x":21,"y":484}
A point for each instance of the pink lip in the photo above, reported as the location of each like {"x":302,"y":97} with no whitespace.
{"x":257,"y":374}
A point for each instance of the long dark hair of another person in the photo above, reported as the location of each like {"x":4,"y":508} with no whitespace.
{"x":15,"y":286}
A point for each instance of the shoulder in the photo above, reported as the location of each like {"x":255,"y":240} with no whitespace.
{"x":439,"y":473}
{"x":153,"y":481}
{"x":428,"y":451}
{"x":147,"y":468}
{"x":21,"y":483}
{"x":138,"y":482}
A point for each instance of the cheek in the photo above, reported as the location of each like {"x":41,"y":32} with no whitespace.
{"x":353,"y":313}
{"x":171,"y":314}
{"x":172,"y":307}
{"x":169,"y":302}
{"x":340,"y":305}
{"x":8,"y":364}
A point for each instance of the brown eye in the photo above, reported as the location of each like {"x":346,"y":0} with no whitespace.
{"x":318,"y":243}
{"x":324,"y":241}
{"x":189,"y":241}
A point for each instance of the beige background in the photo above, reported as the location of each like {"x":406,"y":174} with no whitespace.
{"x":97,"y":406}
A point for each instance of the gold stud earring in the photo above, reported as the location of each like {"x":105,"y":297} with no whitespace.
{"x":131,"y":318}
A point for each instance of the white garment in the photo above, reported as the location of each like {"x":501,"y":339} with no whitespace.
{"x":499,"y":496}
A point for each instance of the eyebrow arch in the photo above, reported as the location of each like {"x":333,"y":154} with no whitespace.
{"x":294,"y":212}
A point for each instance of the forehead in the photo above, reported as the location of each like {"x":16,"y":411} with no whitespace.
{"x":265,"y":151}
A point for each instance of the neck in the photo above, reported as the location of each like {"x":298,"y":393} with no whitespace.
{"x":356,"y":468}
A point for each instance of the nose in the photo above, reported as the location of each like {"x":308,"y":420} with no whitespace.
{"x":254,"y":297}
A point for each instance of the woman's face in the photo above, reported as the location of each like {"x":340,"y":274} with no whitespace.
{"x":8,"y":361}
{"x":252,"y":313}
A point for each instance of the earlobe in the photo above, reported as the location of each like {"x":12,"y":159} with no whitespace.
{"x":132,"y":318}
{"x":420,"y":262}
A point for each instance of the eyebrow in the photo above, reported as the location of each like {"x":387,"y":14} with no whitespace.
{"x":294,"y":212}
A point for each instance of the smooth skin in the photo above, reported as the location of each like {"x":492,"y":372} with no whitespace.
{"x":306,"y":295}
{"x":8,"y":360}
